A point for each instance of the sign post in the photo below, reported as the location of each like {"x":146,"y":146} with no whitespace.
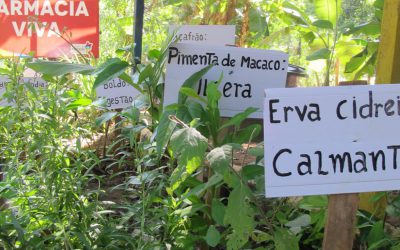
{"x":341,"y":220}
{"x":332,"y":140}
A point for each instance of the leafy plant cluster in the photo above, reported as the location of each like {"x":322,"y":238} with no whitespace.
{"x":77,"y":175}
{"x":173,"y":169}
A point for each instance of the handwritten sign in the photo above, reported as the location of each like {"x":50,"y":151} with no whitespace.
{"x":35,"y":25}
{"x":204,"y":34}
{"x":35,"y":82}
{"x":246,"y":73}
{"x":118,"y":93}
{"x":332,"y":140}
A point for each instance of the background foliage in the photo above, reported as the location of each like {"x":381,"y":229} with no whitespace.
{"x":178,"y":177}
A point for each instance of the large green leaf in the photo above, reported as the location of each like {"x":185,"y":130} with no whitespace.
{"x":220,"y":158}
{"x":346,"y":49}
{"x":5,"y":72}
{"x":82,"y":102}
{"x":324,"y":24}
{"x":105,"y":118}
{"x":328,"y":10}
{"x":240,"y":215}
{"x":323,"y":53}
{"x":110,"y":72}
{"x":213,"y":236}
{"x":376,"y":234}
{"x":247,"y":134}
{"x":237,"y":119}
{"x":285,"y":240}
{"x":164,"y":132}
{"x":192,"y":81}
{"x":189,"y":146}
{"x":104,"y":65}
{"x":218,"y":211}
{"x":372,"y":28}
{"x":59,"y":68}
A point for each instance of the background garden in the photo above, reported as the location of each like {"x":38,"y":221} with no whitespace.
{"x":77,"y":175}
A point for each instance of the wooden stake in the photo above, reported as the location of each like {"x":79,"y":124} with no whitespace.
{"x":340,"y":224}
{"x":342,"y":211}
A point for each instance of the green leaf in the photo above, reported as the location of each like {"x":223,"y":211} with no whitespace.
{"x":197,"y":190}
{"x":213,"y":236}
{"x":132,"y":114}
{"x":247,"y":134}
{"x":240,"y":215}
{"x":82,"y":102}
{"x":285,"y":240}
{"x":376,"y":234}
{"x":189,"y":146}
{"x":145,"y":74}
{"x":323,"y":53}
{"x":104,"y":65}
{"x":154,"y":53}
{"x":250,"y":172}
{"x":354,"y":64}
{"x":192,"y":81}
{"x":105,"y":118}
{"x":381,"y":244}
{"x":164,"y":132}
{"x":220,"y":161}
{"x":59,"y":68}
{"x":379,"y":4}
{"x":257,"y":151}
{"x":309,"y":37}
{"x":259,"y":236}
{"x":110,"y":72}
{"x":372,"y":28}
{"x":328,"y":10}
{"x":296,"y":13}
{"x":213,"y":95}
{"x":5,"y":72}
{"x":126,"y":78}
{"x":346,"y":49}
{"x":192,"y":93}
{"x":190,"y":210}
{"x":312,"y":202}
{"x":237,"y":119}
{"x":324,"y":24}
{"x":298,"y":223}
{"x":218,"y":211}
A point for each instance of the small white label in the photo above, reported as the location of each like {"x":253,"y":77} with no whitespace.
{"x":118,"y":93}
{"x":204,"y":34}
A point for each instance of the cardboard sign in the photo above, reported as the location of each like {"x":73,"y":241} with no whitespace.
{"x":204,"y":34}
{"x":332,"y":140}
{"x":246,"y":73}
{"x":118,"y":93}
{"x":36,"y":26}
{"x":35,"y":82}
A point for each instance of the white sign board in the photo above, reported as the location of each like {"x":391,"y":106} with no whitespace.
{"x":332,"y":140}
{"x":204,"y":34}
{"x":118,"y":93}
{"x":35,"y":82}
{"x":246,"y":73}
